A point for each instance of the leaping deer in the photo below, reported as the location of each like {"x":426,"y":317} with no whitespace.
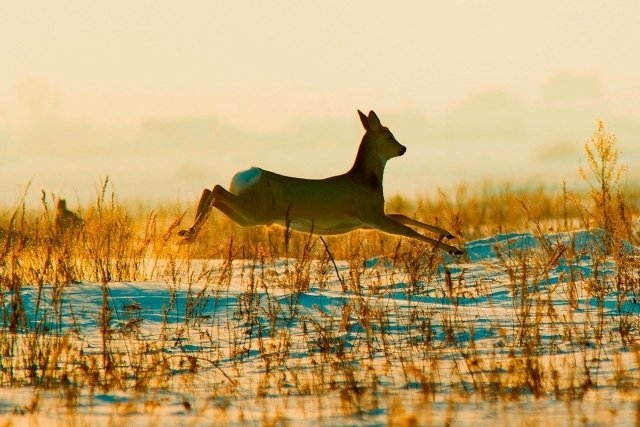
{"x":334,"y":205}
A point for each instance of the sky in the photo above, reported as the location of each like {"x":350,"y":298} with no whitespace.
{"x":278,"y":68}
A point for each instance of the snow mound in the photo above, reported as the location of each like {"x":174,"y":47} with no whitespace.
{"x":581,"y":242}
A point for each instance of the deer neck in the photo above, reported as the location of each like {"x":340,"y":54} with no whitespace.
{"x":368,"y":169}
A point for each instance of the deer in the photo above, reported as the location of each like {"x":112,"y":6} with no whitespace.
{"x":65,"y":219}
{"x":335,"y":205}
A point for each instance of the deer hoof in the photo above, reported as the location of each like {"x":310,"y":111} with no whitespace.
{"x":187,"y":235}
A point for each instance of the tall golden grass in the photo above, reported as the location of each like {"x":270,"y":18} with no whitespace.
{"x":117,"y":242}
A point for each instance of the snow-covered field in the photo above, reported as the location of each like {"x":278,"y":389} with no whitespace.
{"x":524,"y":330}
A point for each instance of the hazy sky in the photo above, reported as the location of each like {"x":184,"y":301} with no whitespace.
{"x":264,"y":67}
{"x":259,"y":64}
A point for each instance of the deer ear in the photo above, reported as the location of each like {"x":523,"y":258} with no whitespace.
{"x":374,"y":121}
{"x":364,"y":120}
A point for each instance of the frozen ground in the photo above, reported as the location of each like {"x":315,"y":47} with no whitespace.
{"x":524,"y":331}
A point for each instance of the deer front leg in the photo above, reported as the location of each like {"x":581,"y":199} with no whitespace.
{"x":389,"y":225}
{"x":412,"y":222}
{"x":202,"y":213}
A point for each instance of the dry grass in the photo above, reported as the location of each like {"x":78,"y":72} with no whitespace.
{"x":354,"y":354}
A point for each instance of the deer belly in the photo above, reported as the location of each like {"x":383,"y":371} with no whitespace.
{"x":330,"y":225}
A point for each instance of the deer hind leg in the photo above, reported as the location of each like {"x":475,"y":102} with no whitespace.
{"x":232,"y":206}
{"x":202,"y":213}
{"x":412,"y":222}
{"x":224,"y":201}
{"x":391,"y":226}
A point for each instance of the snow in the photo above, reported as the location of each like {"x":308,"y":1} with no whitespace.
{"x":267,"y":353}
